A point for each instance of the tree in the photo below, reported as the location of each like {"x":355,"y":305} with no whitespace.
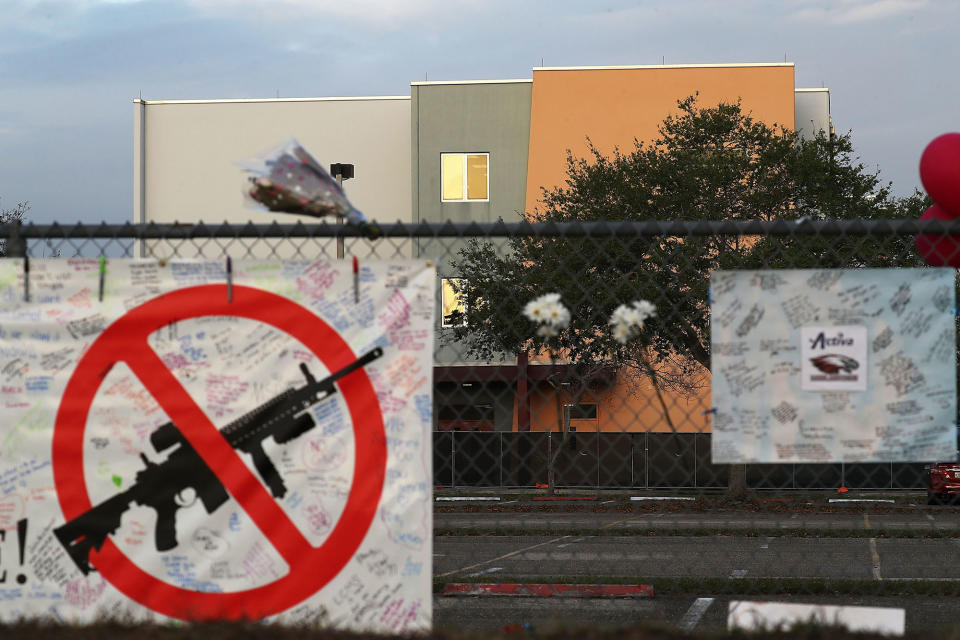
{"x":12,"y":216}
{"x":708,"y":163}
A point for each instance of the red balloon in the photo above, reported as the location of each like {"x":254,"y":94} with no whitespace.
{"x":940,"y":171}
{"x":939,"y":250}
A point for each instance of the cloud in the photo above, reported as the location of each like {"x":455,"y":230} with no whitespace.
{"x":855,"y":11}
{"x":379,"y":14}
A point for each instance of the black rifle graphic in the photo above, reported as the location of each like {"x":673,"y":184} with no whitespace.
{"x":159,"y":485}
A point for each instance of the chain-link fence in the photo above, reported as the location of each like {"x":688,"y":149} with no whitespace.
{"x":626,"y":439}
{"x":497,"y":421}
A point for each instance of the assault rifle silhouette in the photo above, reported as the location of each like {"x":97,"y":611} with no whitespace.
{"x":159,"y":485}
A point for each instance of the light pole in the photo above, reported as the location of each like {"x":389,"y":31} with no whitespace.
{"x":341,"y":171}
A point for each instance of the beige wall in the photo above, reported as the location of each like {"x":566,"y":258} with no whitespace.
{"x":184,"y":154}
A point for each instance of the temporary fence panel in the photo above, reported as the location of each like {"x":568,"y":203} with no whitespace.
{"x":587,"y":450}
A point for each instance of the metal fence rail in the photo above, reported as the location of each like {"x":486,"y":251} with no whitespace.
{"x":509,"y":460}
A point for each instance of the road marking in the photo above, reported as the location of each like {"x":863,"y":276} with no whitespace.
{"x":766,"y":543}
{"x":692,"y":617}
{"x":860,"y":500}
{"x":467,"y":499}
{"x":608,"y":502}
{"x":641,"y":498}
{"x":567,"y":544}
{"x":506,"y":555}
{"x":930,"y":517}
{"x":874,"y":555}
{"x":508,"y":502}
{"x":876,"y":559}
{"x":738,"y":573}
{"x":485,"y":571}
{"x":613,"y":524}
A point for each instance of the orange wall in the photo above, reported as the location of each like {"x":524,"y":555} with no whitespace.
{"x":629,"y":405}
{"x":613,"y":106}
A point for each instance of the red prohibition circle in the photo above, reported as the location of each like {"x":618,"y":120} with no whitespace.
{"x":311,"y":568}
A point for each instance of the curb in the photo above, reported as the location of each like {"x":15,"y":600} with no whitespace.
{"x":549,"y":590}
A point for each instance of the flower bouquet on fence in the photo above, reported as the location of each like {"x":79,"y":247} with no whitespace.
{"x":287,"y":179}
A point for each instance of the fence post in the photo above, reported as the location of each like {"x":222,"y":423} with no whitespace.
{"x":500,"y":436}
{"x":696,"y":460}
{"x":598,"y":456}
{"x":16,"y":246}
{"x":646,"y":459}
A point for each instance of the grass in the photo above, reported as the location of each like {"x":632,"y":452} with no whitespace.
{"x":249,"y":631}
{"x":799,"y":532}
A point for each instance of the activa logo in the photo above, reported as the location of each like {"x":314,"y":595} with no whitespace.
{"x":822,"y":341}
{"x":834,"y":363}
{"x":834,"y":358}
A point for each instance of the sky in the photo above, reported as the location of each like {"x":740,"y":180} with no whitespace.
{"x":70,"y":70}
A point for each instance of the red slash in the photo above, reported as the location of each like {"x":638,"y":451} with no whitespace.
{"x":311,"y":568}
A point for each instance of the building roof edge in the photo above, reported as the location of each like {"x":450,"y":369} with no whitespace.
{"x":671,"y":66}
{"x":250,"y":100}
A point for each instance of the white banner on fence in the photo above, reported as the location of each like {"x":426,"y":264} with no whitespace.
{"x":836,"y":365}
{"x":773,"y":617}
{"x":205,"y":442}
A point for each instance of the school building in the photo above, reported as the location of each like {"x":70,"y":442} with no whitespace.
{"x":461,"y":151}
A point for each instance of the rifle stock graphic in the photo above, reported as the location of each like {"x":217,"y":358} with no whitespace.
{"x":158,"y":485}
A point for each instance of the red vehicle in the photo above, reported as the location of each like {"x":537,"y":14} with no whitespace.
{"x":943,"y":482}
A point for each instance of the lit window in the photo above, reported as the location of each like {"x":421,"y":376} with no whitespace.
{"x":465,"y":176}
{"x":453,"y":307}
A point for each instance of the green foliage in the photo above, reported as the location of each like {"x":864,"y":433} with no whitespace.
{"x":708,"y":163}
{"x":11,"y":216}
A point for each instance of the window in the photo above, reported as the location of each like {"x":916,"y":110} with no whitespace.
{"x":465,"y":417}
{"x":464,"y":177}
{"x":580,"y":411}
{"x":453,"y":304}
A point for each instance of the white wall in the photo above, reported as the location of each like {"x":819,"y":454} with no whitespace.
{"x":812,"y":111}
{"x":184,"y":154}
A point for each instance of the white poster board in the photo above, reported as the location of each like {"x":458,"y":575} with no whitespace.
{"x":194,"y":448}
{"x":771,"y":617}
{"x":839,"y":365}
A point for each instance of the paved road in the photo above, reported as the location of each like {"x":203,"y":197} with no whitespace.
{"x":698,"y":557}
{"x":561,"y":551}
{"x":692,"y":613}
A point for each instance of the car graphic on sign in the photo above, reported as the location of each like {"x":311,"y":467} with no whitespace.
{"x":832,"y":363}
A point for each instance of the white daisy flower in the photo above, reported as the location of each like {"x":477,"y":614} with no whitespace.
{"x":621,"y":333}
{"x":627,"y":320}
{"x":535,"y":311}
{"x":546,"y":331}
{"x":548,"y":312}
{"x":646,"y":308}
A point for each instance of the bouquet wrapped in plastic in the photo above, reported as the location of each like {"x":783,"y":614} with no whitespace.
{"x":287,"y":179}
